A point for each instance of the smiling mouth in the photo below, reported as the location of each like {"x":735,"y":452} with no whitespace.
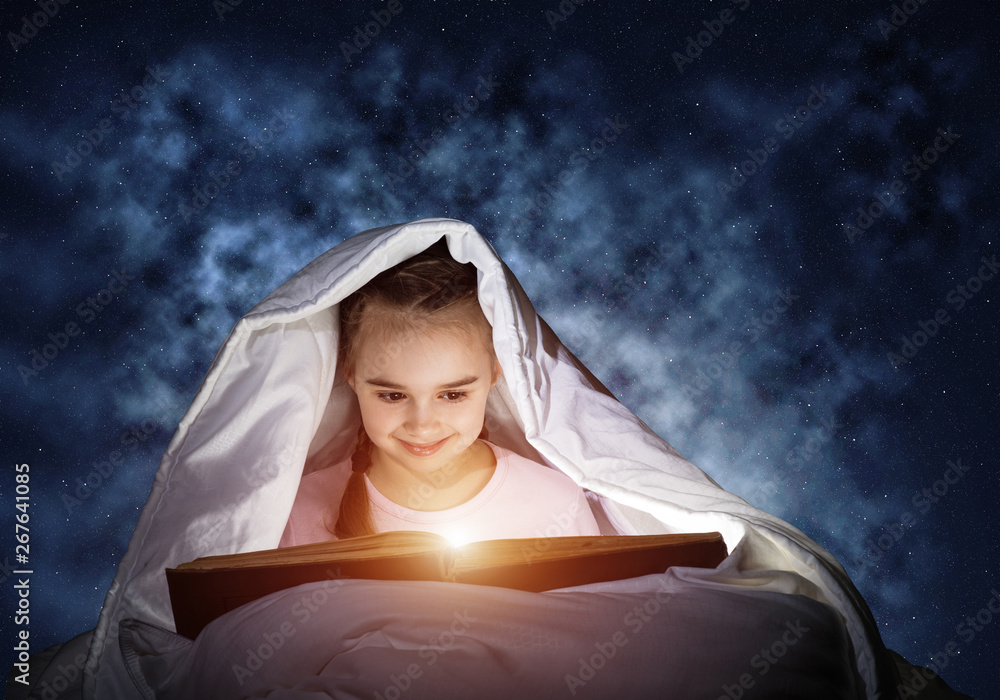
{"x":423,"y":450}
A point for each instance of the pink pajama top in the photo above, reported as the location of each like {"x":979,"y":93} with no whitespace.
{"x":522,"y":499}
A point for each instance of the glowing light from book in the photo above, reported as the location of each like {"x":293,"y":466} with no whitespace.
{"x":457,"y":537}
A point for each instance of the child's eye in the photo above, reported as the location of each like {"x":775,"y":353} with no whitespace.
{"x":392,"y":396}
{"x":454,"y":396}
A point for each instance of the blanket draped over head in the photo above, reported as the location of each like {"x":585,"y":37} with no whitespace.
{"x":271,"y":409}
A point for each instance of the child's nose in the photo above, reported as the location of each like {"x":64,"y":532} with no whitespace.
{"x":421,"y":420}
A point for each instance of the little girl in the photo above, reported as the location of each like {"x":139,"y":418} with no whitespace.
{"x":417,"y":350}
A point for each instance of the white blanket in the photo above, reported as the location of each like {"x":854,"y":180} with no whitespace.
{"x":650,"y":637}
{"x":267,"y":412}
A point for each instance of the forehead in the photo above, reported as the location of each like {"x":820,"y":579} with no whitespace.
{"x":419,"y":357}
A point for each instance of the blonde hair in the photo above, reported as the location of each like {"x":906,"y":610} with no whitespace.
{"x":427,"y":294}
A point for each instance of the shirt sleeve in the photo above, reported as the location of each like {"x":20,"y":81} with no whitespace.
{"x":585,"y":523}
{"x":288,"y":536}
{"x":305,"y":522}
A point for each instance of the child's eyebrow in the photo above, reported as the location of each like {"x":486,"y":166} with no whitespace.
{"x":378,"y":381}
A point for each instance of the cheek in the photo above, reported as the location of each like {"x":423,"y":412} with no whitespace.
{"x":373,"y":411}
{"x":474,"y":414}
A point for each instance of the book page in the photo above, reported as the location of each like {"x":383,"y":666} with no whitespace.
{"x":491,"y":553}
{"x":382,"y":545}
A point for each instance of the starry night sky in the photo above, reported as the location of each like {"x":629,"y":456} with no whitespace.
{"x":684,"y":215}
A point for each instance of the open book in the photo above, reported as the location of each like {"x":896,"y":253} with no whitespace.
{"x":208,"y":587}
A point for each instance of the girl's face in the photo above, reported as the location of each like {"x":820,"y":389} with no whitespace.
{"x":423,"y":401}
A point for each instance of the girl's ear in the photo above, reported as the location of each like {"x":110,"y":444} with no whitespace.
{"x":497,"y":371}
